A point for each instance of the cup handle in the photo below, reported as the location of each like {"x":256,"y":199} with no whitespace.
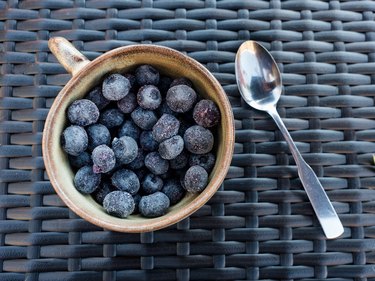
{"x":69,"y":57}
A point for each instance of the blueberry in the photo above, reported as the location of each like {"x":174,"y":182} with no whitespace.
{"x":198,"y":140}
{"x":131,"y":79}
{"x":125,"y":149}
{"x":171,"y":148}
{"x":195,"y":179}
{"x":83,"y":112}
{"x":173,"y":189}
{"x":126,"y":180}
{"x":102,"y":191}
{"x":151,"y":184}
{"x":166,"y":127}
{"x":164,"y":84}
{"x":136,"y":197}
{"x":115,"y":87}
{"x":207,"y":161}
{"x":74,"y":140}
{"x":181,"y":98}
{"x":103,"y":158}
{"x":147,"y":141}
{"x":128,"y":103}
{"x":111,"y":118}
{"x":147,"y":75}
{"x":143,"y":118}
{"x":154,"y":205}
{"x":148,"y":97}
{"x":181,"y":81}
{"x":82,"y":159}
{"x":165,"y":109}
{"x":206,"y":113}
{"x":130,"y":129}
{"x":97,"y":97}
{"x":180,"y":161}
{"x":115,"y":168}
{"x":167,"y":175}
{"x":98,"y":134}
{"x":141,"y":173}
{"x":119,"y":204}
{"x":156,"y":164}
{"x":138,"y":162}
{"x":86,"y":181}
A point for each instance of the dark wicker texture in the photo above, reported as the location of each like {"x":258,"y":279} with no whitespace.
{"x":259,"y":225}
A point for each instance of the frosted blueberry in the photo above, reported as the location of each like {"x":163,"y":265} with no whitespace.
{"x":119,"y":204}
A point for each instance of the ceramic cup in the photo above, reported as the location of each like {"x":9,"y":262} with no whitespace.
{"x":87,"y":74}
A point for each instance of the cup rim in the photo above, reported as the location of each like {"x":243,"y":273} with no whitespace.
{"x":151,"y":224}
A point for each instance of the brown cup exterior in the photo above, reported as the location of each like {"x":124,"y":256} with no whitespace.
{"x":88,"y":74}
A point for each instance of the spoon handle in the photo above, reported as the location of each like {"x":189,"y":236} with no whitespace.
{"x":320,"y":202}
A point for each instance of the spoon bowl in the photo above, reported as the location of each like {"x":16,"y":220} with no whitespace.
{"x":258,"y":76}
{"x":259,"y":82}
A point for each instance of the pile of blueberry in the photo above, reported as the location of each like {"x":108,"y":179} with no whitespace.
{"x":139,"y":141}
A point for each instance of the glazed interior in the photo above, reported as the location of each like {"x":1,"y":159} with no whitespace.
{"x":122,"y":60}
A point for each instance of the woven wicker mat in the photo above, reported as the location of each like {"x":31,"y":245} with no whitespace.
{"x":260,"y":224}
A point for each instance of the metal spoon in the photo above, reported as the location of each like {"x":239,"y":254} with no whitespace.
{"x":260,"y":85}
